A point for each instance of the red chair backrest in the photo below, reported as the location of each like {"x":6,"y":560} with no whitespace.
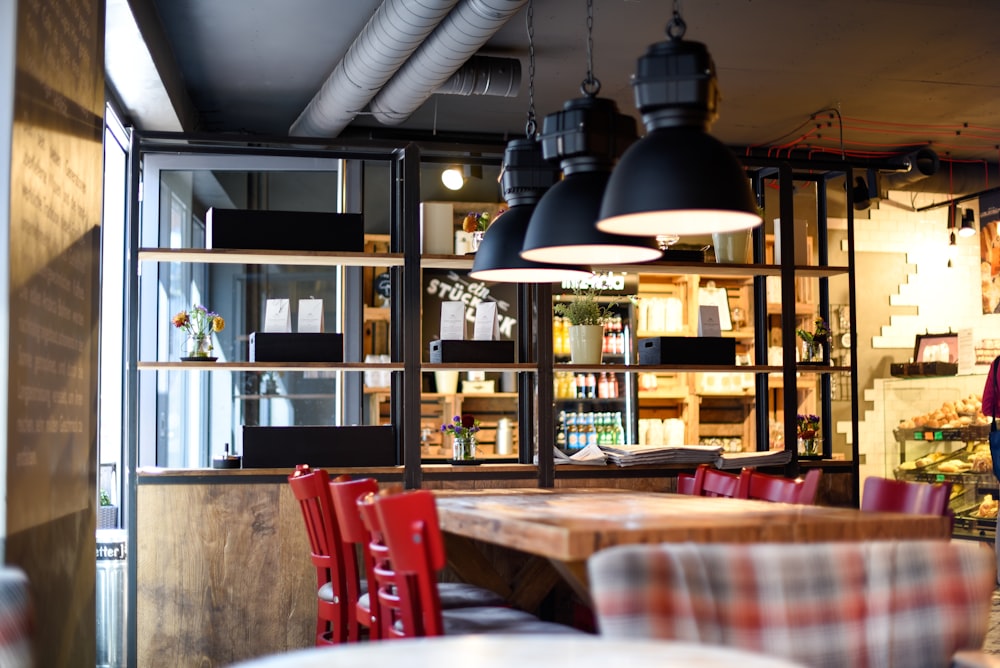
{"x":685,"y":483}
{"x":410,"y":524}
{"x":784,"y":490}
{"x":384,"y":584}
{"x":713,"y":482}
{"x":311,"y":489}
{"x":345,"y":493}
{"x":902,"y":496}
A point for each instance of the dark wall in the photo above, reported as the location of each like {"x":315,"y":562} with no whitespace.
{"x":55,"y":215}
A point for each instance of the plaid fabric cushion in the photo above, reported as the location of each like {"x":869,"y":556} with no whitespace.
{"x":907,"y":603}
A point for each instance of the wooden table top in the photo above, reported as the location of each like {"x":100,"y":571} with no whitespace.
{"x":570,"y":525}
{"x":524,"y":651}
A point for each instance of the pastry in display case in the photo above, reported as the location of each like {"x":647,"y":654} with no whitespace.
{"x":955,"y":450}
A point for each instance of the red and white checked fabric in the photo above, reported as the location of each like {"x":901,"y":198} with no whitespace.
{"x":16,"y":618}
{"x":860,"y":604}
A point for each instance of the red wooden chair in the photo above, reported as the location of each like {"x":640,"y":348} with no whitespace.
{"x":710,"y":481}
{"x":410,"y":527}
{"x":312,"y":490}
{"x":345,"y":493}
{"x":359,"y":525}
{"x":783,"y":490}
{"x":685,"y":483}
{"x":902,"y":496}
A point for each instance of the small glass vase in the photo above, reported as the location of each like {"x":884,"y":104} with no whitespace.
{"x":813,"y":352}
{"x":463,"y":448}
{"x":198,"y":346}
{"x":809,"y":446}
{"x":476,"y":239}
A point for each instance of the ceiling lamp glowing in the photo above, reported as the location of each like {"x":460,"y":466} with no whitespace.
{"x":525,"y":178}
{"x":677,"y":179}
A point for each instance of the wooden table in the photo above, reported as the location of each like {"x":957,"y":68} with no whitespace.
{"x":566,"y":526}
{"x":522,"y":651}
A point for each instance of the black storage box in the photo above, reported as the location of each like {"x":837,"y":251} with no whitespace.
{"x":913,"y":369}
{"x":296,"y":347}
{"x":285,"y":447}
{"x":285,"y":230}
{"x":687,"y":350}
{"x":448,"y":350}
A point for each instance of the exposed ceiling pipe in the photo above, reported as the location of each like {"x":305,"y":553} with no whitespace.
{"x":914,"y":167}
{"x":484,"y":75}
{"x":465,"y":30}
{"x":394,"y":32}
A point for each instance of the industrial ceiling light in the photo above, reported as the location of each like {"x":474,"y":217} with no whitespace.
{"x":677,"y":179}
{"x":586,"y":138}
{"x":968,"y":223}
{"x":862,"y":199}
{"x":525,"y":177}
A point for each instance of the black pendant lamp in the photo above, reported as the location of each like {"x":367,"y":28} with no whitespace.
{"x":525,"y":178}
{"x":678,"y":179}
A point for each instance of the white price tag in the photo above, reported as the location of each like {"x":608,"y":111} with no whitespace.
{"x":487,"y":326}
{"x":277,"y":316}
{"x":452,"y":321}
{"x":310,"y":315}
{"x":708,"y":321}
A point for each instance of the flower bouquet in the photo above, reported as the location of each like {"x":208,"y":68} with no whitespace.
{"x":463,"y":431}
{"x":199,"y":323}
{"x":807,"y":429}
{"x":815,"y":342}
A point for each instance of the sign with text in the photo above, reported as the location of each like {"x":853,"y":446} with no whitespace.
{"x":442,"y":285}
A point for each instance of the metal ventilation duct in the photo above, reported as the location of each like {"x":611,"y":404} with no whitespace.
{"x":413,"y":29}
{"x":484,"y":75}
{"x":394,"y":32}
{"x":915,"y":167}
{"x":465,"y":30}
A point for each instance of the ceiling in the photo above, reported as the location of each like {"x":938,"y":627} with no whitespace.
{"x":866,"y":78}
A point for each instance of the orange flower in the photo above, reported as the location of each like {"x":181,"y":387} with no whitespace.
{"x":181,"y":319}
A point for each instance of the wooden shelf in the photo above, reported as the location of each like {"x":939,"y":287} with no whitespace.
{"x":447,"y":261}
{"x":374,"y":313}
{"x":475,"y":366}
{"x":269,"y":366}
{"x":238,"y":256}
{"x":720,"y":270}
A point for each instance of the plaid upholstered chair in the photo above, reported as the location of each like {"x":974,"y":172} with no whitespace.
{"x":885,"y":603}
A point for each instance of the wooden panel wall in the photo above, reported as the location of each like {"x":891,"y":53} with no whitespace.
{"x":52,"y":265}
{"x":223,"y":574}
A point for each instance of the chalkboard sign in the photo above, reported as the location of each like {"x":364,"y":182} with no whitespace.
{"x":452,"y":286}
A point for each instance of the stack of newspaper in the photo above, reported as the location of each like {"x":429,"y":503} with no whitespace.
{"x":635,"y":455}
{"x":737,"y":460}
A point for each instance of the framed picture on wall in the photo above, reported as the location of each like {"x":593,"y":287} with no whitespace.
{"x":936,"y":348}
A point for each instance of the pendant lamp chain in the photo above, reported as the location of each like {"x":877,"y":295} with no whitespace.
{"x":591,"y":86}
{"x":676,"y":26}
{"x":531,"y":127}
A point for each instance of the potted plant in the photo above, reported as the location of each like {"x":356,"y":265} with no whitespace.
{"x":815,"y":342}
{"x":587,"y":318}
{"x":107,"y":513}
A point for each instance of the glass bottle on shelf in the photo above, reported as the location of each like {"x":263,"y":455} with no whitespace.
{"x":619,"y":430}
{"x":590,"y":431}
{"x":561,"y":431}
{"x":572,"y":432}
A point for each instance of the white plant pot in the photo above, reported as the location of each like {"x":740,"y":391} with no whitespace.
{"x":586,"y":343}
